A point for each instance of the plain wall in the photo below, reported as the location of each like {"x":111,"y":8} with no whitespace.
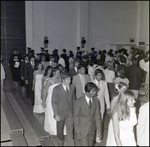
{"x":100,"y":22}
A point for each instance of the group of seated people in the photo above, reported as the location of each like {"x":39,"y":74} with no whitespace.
{"x":75,"y":91}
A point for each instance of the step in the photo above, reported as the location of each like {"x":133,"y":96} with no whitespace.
{"x":18,"y":139}
{"x":36,"y":126}
{"x":29,"y":134}
{"x":5,"y":129}
{"x":12,"y":119}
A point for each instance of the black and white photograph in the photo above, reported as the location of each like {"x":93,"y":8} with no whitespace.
{"x":74,"y":73}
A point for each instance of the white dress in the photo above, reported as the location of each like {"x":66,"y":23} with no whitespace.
{"x":126,"y":131}
{"x":50,"y":122}
{"x":38,"y":108}
{"x":2,"y":72}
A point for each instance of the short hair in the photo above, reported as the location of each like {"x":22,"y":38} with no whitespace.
{"x":134,"y":60}
{"x":80,"y":66}
{"x":100,"y":62}
{"x":91,"y":62}
{"x":123,"y":59}
{"x":76,"y":60}
{"x":46,"y":70}
{"x":32,"y":56}
{"x":64,"y":75}
{"x":89,"y":86}
{"x":99,"y":71}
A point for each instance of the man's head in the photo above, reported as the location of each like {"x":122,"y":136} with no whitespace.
{"x":76,"y":62}
{"x":81,"y":69}
{"x":52,"y":57}
{"x":43,"y":58}
{"x":65,"y":78}
{"x":32,"y":58}
{"x":90,"y":89}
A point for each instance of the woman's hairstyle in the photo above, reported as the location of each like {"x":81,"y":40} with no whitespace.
{"x":99,"y":71}
{"x":118,"y":88}
{"x":46,"y":71}
{"x":122,"y":73}
{"x":42,"y":65}
{"x":89,"y":86}
{"x":55,"y":69}
{"x":122,"y":108}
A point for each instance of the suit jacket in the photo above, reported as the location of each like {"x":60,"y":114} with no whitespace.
{"x":86,"y":118}
{"x":78,"y":85}
{"x":134,"y":74}
{"x":103,"y":96}
{"x":73,"y":72}
{"x":23,"y":68}
{"x":143,"y":126}
{"x":62,"y":103}
{"x":29,"y":72}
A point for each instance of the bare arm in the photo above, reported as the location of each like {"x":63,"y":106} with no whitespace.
{"x":98,"y":120}
{"x":42,"y":82}
{"x":33,"y":86}
{"x":45,"y":90}
{"x":116,"y":129}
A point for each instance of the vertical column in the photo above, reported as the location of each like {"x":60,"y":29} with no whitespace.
{"x":143,"y":24}
{"x":147,"y":27}
{"x":29,"y":24}
{"x":82,"y":22}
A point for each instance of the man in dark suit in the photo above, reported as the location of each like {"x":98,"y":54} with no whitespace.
{"x":63,"y":98}
{"x":87,"y":117}
{"x":23,"y":70}
{"x":74,"y":70}
{"x":134,"y":74}
{"x":31,"y":66}
{"x":122,"y":64}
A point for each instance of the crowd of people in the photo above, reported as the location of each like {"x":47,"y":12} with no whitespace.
{"x":74,"y":91}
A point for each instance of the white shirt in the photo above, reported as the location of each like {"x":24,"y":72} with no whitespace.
{"x":88,"y":99}
{"x":109,"y":75}
{"x":65,"y":87}
{"x":98,"y":83}
{"x":75,"y":68}
{"x":62,"y":62}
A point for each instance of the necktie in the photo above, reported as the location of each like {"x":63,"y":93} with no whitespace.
{"x":90,"y":103}
{"x":99,"y":85}
{"x":67,"y":89}
{"x":33,"y":65}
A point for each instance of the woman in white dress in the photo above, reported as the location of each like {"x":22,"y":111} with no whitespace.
{"x":37,"y":85}
{"x":120,"y":130}
{"x":47,"y":75}
{"x":2,"y":73}
{"x":50,"y":122}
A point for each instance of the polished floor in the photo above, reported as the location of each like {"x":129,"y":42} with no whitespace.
{"x":5,"y":129}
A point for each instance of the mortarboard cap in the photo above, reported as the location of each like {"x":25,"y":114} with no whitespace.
{"x":78,"y":48}
{"x":64,"y":50}
{"x":92,"y":48}
{"x":29,"y":48}
{"x":42,"y":48}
